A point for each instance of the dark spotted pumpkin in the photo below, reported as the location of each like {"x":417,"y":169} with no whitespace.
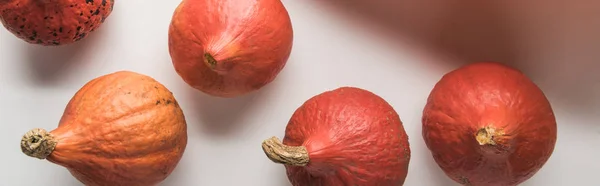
{"x":53,"y":22}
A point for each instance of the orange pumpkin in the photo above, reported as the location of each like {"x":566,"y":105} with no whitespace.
{"x":120,"y":129}
{"x":488,"y":124}
{"x":230,"y":48}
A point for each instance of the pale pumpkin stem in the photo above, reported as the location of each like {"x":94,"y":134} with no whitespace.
{"x":485,"y":136}
{"x":38,"y":143}
{"x":277,"y":152}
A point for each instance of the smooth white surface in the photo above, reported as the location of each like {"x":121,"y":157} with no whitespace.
{"x":397,"y":50}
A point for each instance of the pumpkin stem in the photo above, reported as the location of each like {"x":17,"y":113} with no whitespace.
{"x":221,"y":67}
{"x":485,"y":136}
{"x":210,"y":60}
{"x":38,"y":143}
{"x":283,"y":154}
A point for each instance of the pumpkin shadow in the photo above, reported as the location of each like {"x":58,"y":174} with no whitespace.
{"x":436,"y":174}
{"x":570,"y":77}
{"x":520,"y":34}
{"x":177,"y":176}
{"x":68,"y":179}
{"x":48,"y":64}
{"x":463,"y":31}
{"x":281,"y":174}
{"x":284,"y":181}
{"x":223,"y":117}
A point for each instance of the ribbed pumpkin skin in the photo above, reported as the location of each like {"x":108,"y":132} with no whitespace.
{"x":53,"y":22}
{"x":476,"y":101}
{"x":121,"y":129}
{"x":353,"y":137}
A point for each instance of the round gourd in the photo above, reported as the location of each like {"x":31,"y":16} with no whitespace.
{"x":487,"y":124}
{"x":120,"y":129}
{"x":53,"y":22}
{"x":346,"y":136}
{"x":230,"y":48}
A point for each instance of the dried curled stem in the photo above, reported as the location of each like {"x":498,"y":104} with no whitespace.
{"x":38,"y":143}
{"x":283,"y":154}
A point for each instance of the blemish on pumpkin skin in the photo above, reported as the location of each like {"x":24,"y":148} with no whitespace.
{"x":464,"y":181}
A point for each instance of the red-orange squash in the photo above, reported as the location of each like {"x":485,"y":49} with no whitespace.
{"x":53,"y":22}
{"x":346,"y":136}
{"x":228,"y":48}
{"x":487,"y":124}
{"x":120,"y":129}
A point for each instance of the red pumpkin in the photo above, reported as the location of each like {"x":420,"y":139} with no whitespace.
{"x":47,"y":22}
{"x":120,"y":129}
{"x":347,"y":136}
{"x":230,"y":48}
{"x":488,"y":124}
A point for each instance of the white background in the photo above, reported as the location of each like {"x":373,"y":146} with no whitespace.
{"x":397,"y":50}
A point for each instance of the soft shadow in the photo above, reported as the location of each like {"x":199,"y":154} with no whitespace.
{"x":572,"y":76}
{"x":466,"y":30}
{"x":283,"y":179}
{"x":66,"y":178}
{"x":223,"y":117}
{"x":435,"y":172}
{"x":177,"y":176}
{"x":48,"y":64}
{"x":554,"y":47}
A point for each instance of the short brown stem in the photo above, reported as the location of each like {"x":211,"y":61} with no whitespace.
{"x":283,"y":154}
{"x":38,"y":143}
{"x":210,"y":60}
{"x":485,"y":136}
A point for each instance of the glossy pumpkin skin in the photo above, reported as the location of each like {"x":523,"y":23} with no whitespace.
{"x":228,"y":48}
{"x":490,"y":95}
{"x":53,"y":22}
{"x":353,"y":137}
{"x":121,"y":129}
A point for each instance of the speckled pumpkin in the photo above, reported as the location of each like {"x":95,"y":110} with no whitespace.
{"x":228,"y":48}
{"x":487,"y":124}
{"x":120,"y":129}
{"x":347,"y":136}
{"x":53,"y":22}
